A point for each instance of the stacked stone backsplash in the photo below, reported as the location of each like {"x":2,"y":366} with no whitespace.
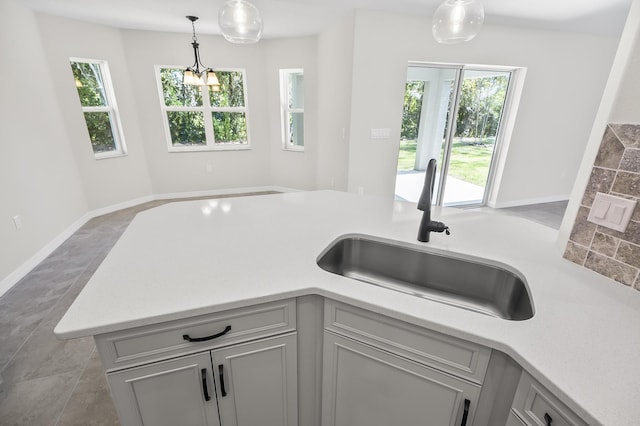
{"x":616,"y":172}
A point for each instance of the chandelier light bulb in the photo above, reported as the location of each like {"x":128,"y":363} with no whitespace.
{"x":457,"y":21}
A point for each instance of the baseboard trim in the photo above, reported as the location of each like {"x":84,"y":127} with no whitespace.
{"x":542,"y":200}
{"x":14,"y":277}
{"x":214,"y":192}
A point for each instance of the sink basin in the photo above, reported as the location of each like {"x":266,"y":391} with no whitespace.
{"x":467,"y":282}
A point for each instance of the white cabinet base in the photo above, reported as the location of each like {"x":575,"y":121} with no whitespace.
{"x":365,"y":386}
{"x":167,"y":393}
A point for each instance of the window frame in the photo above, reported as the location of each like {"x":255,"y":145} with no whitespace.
{"x":207,"y":109}
{"x":111,"y":108}
{"x":286,"y":111}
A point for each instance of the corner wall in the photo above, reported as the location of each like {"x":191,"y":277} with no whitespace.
{"x":611,"y":164}
{"x":112,"y":180}
{"x":335,"y":79}
{"x":39,"y":179}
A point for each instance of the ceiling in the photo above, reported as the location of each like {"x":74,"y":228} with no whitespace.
{"x":290,"y":18}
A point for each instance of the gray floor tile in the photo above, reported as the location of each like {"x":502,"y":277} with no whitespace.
{"x":36,"y":402}
{"x":90,"y":403}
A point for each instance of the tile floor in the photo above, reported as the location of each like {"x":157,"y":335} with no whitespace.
{"x":46,"y":381}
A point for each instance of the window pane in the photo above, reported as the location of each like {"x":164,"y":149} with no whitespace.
{"x":230,"y":127}
{"x":296,"y":128}
{"x":100,"y":131}
{"x":177,"y":94}
{"x":296,"y":92}
{"x":89,"y":83}
{"x":231,"y":92}
{"x":186,"y":127}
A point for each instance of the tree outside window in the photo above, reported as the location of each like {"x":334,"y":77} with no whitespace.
{"x":197,"y":118}
{"x":98,"y":106}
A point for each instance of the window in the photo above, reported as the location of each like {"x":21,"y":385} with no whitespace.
{"x":292,"y":106}
{"x":98,"y":101}
{"x":197,"y":118}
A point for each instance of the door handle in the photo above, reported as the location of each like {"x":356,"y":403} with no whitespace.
{"x":223,"y":391}
{"x":465,"y":414}
{"x":205,"y":388}
{"x":547,"y":419}
{"x":204,"y":339}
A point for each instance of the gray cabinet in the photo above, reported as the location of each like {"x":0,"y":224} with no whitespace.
{"x":534,"y":405}
{"x":249,"y":381}
{"x":379,"y":371}
{"x":366,"y":386}
{"x":259,"y":380}
{"x":166,"y":393}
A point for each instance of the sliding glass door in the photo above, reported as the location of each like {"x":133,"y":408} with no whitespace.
{"x":452,"y":114}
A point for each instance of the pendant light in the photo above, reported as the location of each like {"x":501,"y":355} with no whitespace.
{"x":457,"y":21}
{"x":194,"y":75}
{"x":240,"y":22}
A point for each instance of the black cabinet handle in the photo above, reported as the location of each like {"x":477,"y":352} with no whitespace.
{"x":205,"y":389}
{"x":547,"y":419}
{"x":223,"y":391}
{"x":204,"y":339}
{"x":465,"y":414}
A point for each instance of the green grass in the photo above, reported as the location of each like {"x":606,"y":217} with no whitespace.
{"x":407,"y":155}
{"x":469,"y":162}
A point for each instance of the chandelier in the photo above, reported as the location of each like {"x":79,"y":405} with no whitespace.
{"x":197,"y":74}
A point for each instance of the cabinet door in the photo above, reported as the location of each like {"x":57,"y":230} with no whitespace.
{"x":365,"y":386}
{"x":257,"y":382}
{"x":167,"y":393}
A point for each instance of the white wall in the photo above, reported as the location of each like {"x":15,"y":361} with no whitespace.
{"x":566,"y":74}
{"x":112,"y":180}
{"x":626,"y":108}
{"x":39,"y":179}
{"x":335,"y":64}
{"x":293,"y":169}
{"x":187,"y":171}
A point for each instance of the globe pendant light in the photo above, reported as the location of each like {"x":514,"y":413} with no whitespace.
{"x":240,"y":22}
{"x":457,"y":21}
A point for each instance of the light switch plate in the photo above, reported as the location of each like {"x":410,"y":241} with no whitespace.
{"x":611,"y":212}
{"x":383,"y":133}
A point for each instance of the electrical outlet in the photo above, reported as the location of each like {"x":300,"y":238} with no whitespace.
{"x":17,"y":221}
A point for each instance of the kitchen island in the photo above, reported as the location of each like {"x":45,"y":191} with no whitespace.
{"x":194,"y":258}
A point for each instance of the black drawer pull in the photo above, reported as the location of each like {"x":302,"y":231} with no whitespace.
{"x":204,"y":339}
{"x":547,"y":419}
{"x":205,"y":389}
{"x":223,"y":391}
{"x":465,"y":414}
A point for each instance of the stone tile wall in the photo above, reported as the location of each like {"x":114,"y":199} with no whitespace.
{"x":617,"y":172}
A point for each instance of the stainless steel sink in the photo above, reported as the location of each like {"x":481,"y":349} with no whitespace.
{"x":467,"y":282}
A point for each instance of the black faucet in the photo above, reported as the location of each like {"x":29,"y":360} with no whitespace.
{"x":426,"y":224}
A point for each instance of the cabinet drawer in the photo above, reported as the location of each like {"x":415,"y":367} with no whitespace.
{"x":458,"y":357}
{"x":161,"y":341}
{"x":533,"y":402}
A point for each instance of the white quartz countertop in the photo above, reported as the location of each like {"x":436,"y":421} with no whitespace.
{"x":196,"y":257}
